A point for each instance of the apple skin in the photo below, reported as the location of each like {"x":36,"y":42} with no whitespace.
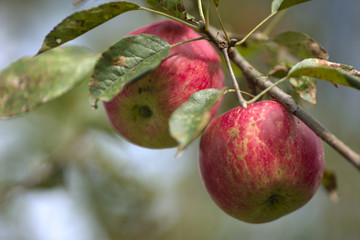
{"x":260,"y":163}
{"x":141,"y":111}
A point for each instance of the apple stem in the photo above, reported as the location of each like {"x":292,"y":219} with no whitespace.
{"x":190,"y":40}
{"x":233,"y":78}
{"x":242,"y":92}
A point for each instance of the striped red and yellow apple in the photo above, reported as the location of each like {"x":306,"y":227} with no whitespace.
{"x":260,"y":163}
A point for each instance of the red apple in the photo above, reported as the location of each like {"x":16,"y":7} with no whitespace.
{"x":261,"y":162}
{"x":141,"y":111}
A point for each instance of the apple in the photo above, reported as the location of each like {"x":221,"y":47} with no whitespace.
{"x":260,"y":163}
{"x":141,"y":111}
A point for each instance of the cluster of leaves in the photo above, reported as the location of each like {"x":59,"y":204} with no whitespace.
{"x":31,"y":82}
{"x":299,"y":58}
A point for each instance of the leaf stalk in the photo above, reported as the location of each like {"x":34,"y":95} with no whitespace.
{"x":255,"y":29}
{"x":261,"y":94}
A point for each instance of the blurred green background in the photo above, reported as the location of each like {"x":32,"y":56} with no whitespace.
{"x":64,"y":173}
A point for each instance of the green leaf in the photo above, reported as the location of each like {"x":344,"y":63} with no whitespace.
{"x":189,"y":120}
{"x":302,"y":45}
{"x":81,"y":22}
{"x":173,"y":7}
{"x":330,"y":183}
{"x":333,"y":72}
{"x":31,"y":82}
{"x":305,"y":87}
{"x":126,"y":61}
{"x":278,"y":5}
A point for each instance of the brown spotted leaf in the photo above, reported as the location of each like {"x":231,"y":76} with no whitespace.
{"x":81,"y":22}
{"x":31,"y":82}
{"x":329,"y":71}
{"x":126,"y":61}
{"x":305,"y":87}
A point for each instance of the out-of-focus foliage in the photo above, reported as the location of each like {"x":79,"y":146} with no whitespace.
{"x":118,"y":191}
{"x":25,"y":84}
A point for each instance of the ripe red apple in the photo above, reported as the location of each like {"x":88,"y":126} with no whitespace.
{"x":261,"y":162}
{"x":141,"y":111}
